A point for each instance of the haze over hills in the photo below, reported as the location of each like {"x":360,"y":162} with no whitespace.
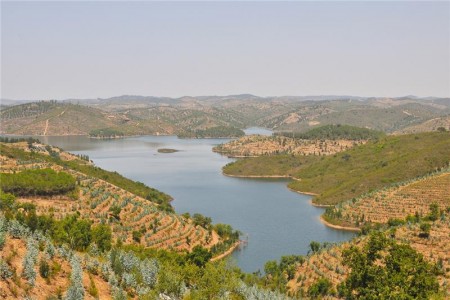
{"x":187,"y":116}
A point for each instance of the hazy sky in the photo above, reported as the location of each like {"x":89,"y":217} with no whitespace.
{"x":52,"y":50}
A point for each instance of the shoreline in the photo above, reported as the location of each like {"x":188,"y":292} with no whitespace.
{"x":228,"y":252}
{"x":354,"y":229}
{"x":269,"y":176}
{"x":338,"y":227}
{"x":257,"y":176}
{"x":305,"y":193}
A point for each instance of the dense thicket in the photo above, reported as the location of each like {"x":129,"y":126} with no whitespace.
{"x":29,"y":140}
{"x":214,"y":132}
{"x":336,"y":132}
{"x":384,"y":269}
{"x":45,"y":182}
{"x":106,"y":133}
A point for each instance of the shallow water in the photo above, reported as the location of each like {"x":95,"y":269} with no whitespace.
{"x":275,"y":220}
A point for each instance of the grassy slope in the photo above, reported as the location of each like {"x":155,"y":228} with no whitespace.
{"x":275,"y":165}
{"x":358,"y":170}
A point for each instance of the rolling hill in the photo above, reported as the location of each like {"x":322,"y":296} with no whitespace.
{"x":138,"y":115}
{"x":361,"y":169}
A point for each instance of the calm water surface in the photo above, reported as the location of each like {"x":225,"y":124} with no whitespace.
{"x":275,"y":220}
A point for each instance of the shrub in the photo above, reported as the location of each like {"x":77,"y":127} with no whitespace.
{"x":92,"y":290}
{"x":44,"y":268}
{"x":102,"y":236}
{"x":44,"y":182}
{"x":5,"y":271}
{"x":29,"y":261}
{"x":320,"y":288}
{"x":76,"y":289}
{"x":149,"y":272}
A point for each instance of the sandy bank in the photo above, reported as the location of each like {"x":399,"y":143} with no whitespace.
{"x":262,"y":176}
{"x":228,"y":252}
{"x":354,"y":229}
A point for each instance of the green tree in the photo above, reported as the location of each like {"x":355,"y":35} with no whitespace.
{"x":386,"y":270}
{"x":102,"y":236}
{"x":320,"y":288}
{"x":199,"y":256}
{"x":76,"y":233}
{"x":271,"y":268}
{"x":434,"y":212}
{"x":425,"y":230}
{"x":314,"y":246}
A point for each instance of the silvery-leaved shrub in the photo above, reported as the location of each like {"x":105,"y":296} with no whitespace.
{"x":5,"y":271}
{"x":149,"y":271}
{"x":76,"y":289}
{"x":17,"y":230}
{"x":129,"y":280}
{"x":50,"y":250}
{"x":128,"y":260}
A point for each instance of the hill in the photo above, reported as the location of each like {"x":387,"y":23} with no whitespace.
{"x":144,"y":217}
{"x":336,"y":132}
{"x":327,"y":263}
{"x":185,"y":116}
{"x":256,"y":145}
{"x":52,"y":118}
{"x":32,"y":265}
{"x":409,"y":198}
{"x":356,"y":171}
{"x":65,"y":232}
{"x":435,"y":124}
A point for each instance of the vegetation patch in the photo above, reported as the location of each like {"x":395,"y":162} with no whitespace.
{"x":79,"y":165}
{"x":336,"y":132}
{"x":167,"y":150}
{"x":359,"y":170}
{"x":106,"y":133}
{"x":44,"y":182}
{"x":213,"y":132}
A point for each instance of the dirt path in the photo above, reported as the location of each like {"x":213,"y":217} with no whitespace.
{"x":46,"y":127}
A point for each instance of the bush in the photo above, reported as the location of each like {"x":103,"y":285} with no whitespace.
{"x":76,"y":289}
{"x":45,"y":182}
{"x":382,"y":266}
{"x":5,"y":271}
{"x":44,"y":268}
{"x":102,"y":236}
{"x":320,"y":288}
{"x":149,"y":272}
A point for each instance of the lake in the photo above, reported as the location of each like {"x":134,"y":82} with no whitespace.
{"x":275,"y":220}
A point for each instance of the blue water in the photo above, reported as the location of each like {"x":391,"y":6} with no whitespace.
{"x":275,"y":220}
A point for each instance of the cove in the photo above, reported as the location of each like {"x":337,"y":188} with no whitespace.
{"x":274,"y":220}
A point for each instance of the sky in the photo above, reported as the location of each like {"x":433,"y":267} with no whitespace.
{"x":60,"y":50}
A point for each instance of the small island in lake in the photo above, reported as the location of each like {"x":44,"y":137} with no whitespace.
{"x":167,"y":150}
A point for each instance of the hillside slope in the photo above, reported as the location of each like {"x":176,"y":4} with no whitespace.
{"x":148,"y":221}
{"x":427,"y":126}
{"x":356,"y":171}
{"x":409,"y":198}
{"x":328,"y":262}
{"x":52,"y":118}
